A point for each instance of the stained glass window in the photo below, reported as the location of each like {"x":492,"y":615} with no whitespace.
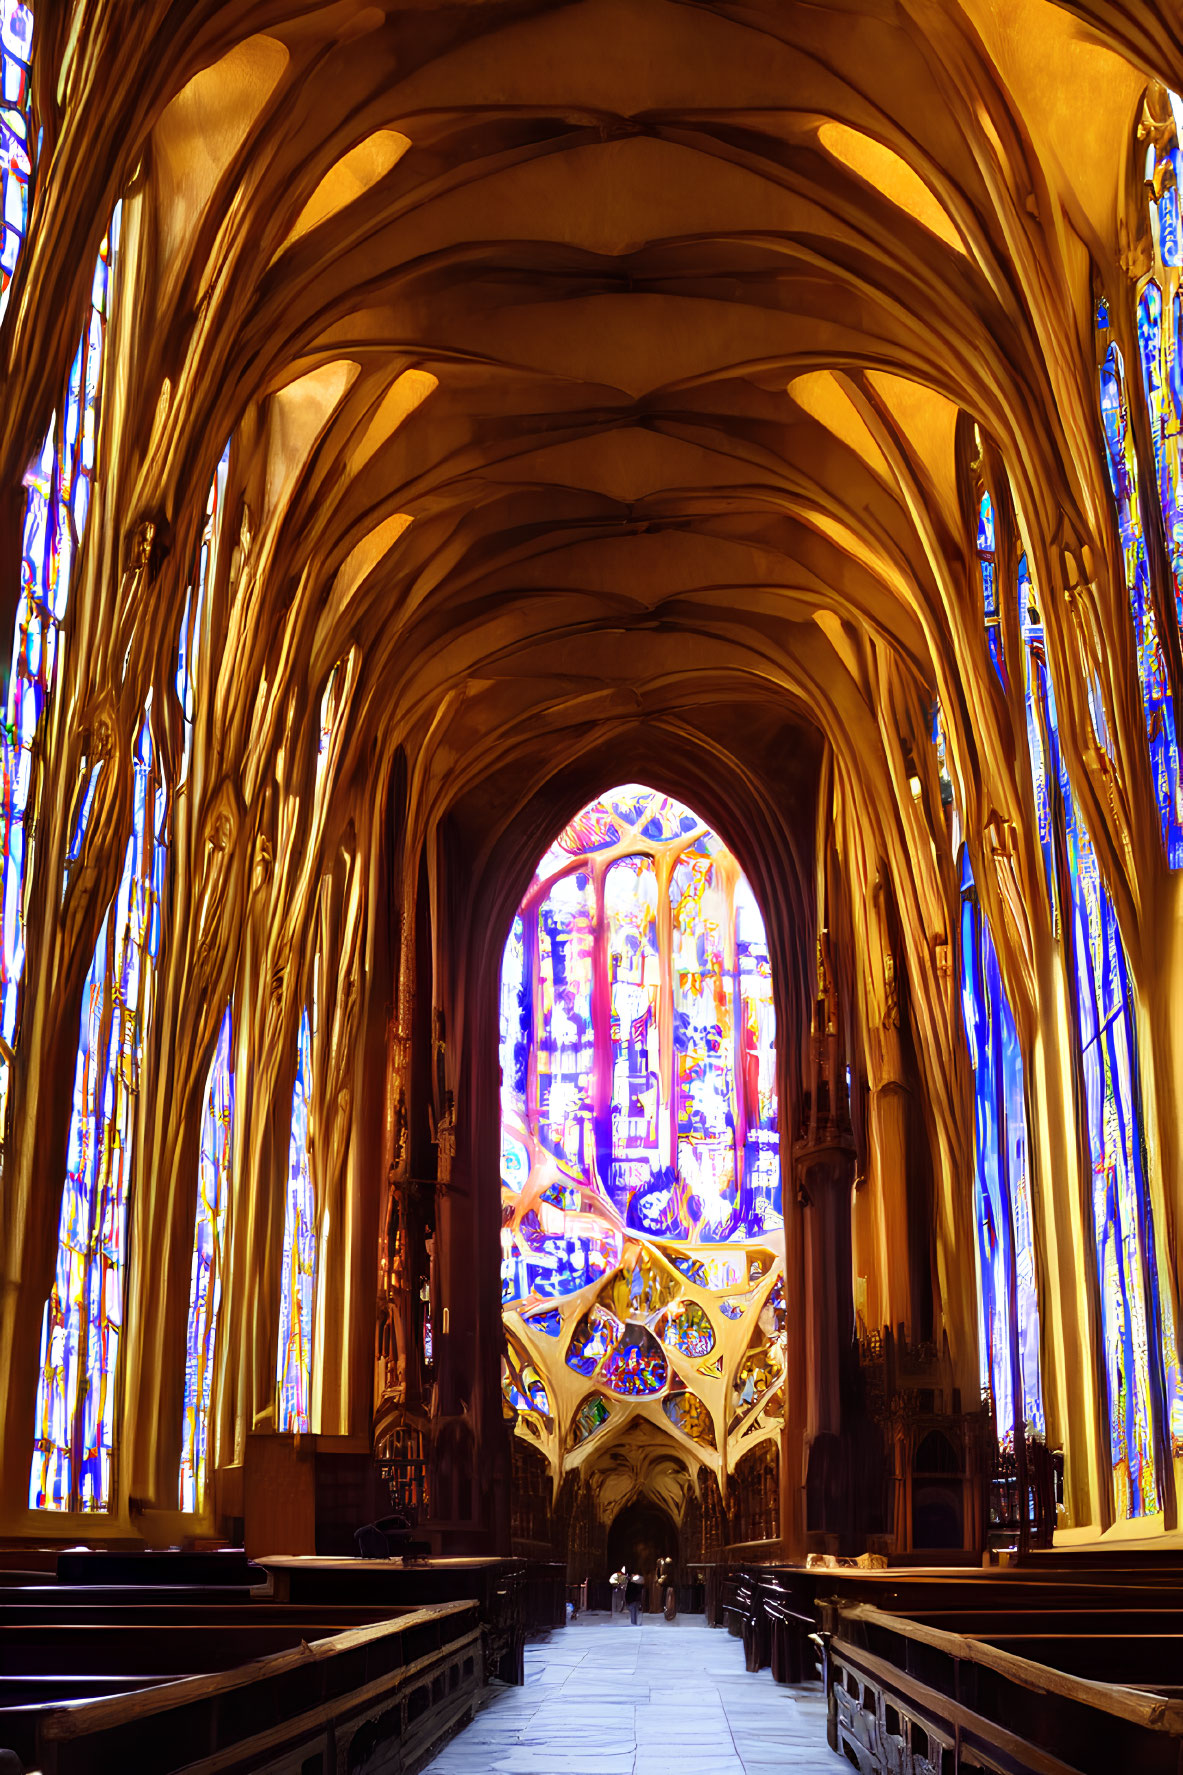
{"x":988,"y":575}
{"x":1007,"y":1304}
{"x":73,"y":1460}
{"x":300,"y":1233}
{"x":16,"y":144}
{"x":294,"y":1379}
{"x":1142,"y":1363}
{"x":640,"y":1162}
{"x":56,"y":505}
{"x":1160,"y":339}
{"x":1157,"y":699}
{"x":205,"y":1288}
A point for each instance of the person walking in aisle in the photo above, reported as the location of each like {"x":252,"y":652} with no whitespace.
{"x":618,"y":1580}
{"x":634,"y":1596}
{"x":667,"y":1588}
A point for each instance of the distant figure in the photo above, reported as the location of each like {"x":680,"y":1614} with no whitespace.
{"x":618,"y":1580}
{"x":667,"y":1588}
{"x":634,"y":1596}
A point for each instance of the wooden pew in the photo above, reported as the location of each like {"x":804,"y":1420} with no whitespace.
{"x":382,"y":1696}
{"x":210,"y":1568}
{"x":908,"y":1698}
{"x":496,"y":1584}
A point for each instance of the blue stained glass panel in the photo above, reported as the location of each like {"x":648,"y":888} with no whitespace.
{"x":1007,"y":1301}
{"x":638,"y":1069}
{"x":16,"y":143}
{"x":56,"y":502}
{"x":1137,"y":1323}
{"x":1157,"y":699}
{"x":298,"y":1276}
{"x":205,"y":1289}
{"x":987,"y":573}
{"x":83,"y":1322}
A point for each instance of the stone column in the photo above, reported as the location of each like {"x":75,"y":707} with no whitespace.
{"x":824,"y":1173}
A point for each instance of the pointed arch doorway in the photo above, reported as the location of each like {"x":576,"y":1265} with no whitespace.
{"x":641,"y":1534}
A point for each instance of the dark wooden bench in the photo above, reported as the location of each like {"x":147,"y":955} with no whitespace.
{"x":905,"y":1695}
{"x":378,"y":1697}
{"x":774,"y":1621}
{"x":209,"y":1569}
{"x":498,"y":1586}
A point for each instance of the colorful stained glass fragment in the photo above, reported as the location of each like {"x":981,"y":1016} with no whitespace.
{"x":592,"y":1415}
{"x":640,"y":1144}
{"x":688,"y":1413}
{"x":685,"y":1327}
{"x":57,"y":501}
{"x":298,"y":1276}
{"x":1142,"y":1362}
{"x":74,"y":1448}
{"x":635,"y":1366}
{"x":205,"y":1288}
{"x":16,"y":135}
{"x":1007,"y":1305}
{"x":988,"y":575}
{"x":1153,"y":679}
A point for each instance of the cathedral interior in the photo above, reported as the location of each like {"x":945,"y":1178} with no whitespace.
{"x":591,"y":940}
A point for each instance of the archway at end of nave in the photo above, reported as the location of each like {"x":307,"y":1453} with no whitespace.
{"x":643,"y":1274}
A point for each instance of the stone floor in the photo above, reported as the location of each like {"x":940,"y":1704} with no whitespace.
{"x":666,"y":1698}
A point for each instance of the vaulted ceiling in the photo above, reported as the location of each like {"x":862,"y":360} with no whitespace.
{"x":589,"y":362}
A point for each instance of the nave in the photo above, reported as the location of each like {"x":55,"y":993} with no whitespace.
{"x":664,"y":1698}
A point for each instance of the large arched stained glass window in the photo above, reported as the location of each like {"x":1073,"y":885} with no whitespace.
{"x":1154,"y":680}
{"x":1160,"y":329}
{"x":641,"y":1194}
{"x":82,"y":1328}
{"x":1160,"y":339}
{"x":1141,"y":1355}
{"x":57,"y":504}
{"x":1008,"y":1307}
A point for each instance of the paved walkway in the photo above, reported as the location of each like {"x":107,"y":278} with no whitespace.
{"x":666,"y":1698}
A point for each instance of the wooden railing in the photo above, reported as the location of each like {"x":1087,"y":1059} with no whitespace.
{"x":379,"y":1696}
{"x":908,"y":1698}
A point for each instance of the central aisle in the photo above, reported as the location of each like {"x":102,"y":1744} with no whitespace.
{"x":666,"y":1698}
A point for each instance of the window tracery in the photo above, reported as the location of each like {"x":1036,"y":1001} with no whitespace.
{"x":16,"y":135}
{"x":57,"y":503}
{"x":1142,"y":1366}
{"x":988,"y":576}
{"x":298,"y":1276}
{"x":1008,"y":1307}
{"x":82,"y":1327}
{"x":205,"y":1289}
{"x":640,"y":1166}
{"x":1153,"y":676}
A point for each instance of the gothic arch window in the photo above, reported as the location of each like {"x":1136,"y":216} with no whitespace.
{"x":16,"y":134}
{"x":298,"y":1275}
{"x":74,"y":1430}
{"x":205,"y":1288}
{"x":1144,"y":1387}
{"x":987,"y":563}
{"x":1133,"y":478}
{"x":303,"y":1227}
{"x":82,"y":1328}
{"x":1008,"y":1307}
{"x":1160,"y":320}
{"x":642,"y":1254}
{"x":57,"y":504}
